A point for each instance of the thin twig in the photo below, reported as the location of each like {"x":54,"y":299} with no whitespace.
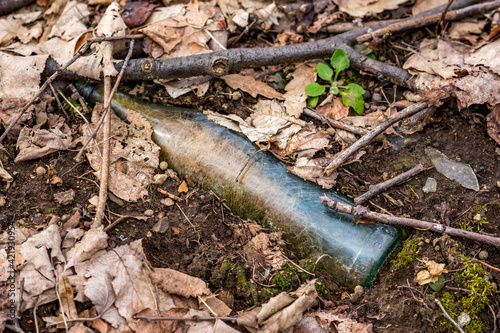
{"x":447,"y":316}
{"x":378,"y":188}
{"x":334,"y":123}
{"x":35,"y":319}
{"x":298,"y":267}
{"x":51,"y":79}
{"x":104,"y":172}
{"x":248,"y":161}
{"x":106,"y":108}
{"x":82,"y":102}
{"x":121,"y":218}
{"x":442,"y":20}
{"x":58,"y":101}
{"x":189,"y":221}
{"x":230,"y":319}
{"x":18,"y":307}
{"x":477,"y":261}
{"x":420,"y":22}
{"x":362,"y":214}
{"x":494,"y":319}
{"x":342,"y":157}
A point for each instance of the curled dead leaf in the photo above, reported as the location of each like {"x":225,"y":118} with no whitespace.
{"x":432,"y":273}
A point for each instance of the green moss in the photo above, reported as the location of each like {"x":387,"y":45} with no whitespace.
{"x":473,"y":278}
{"x":321,"y":288}
{"x":472,"y":224}
{"x":407,"y":255}
{"x":225,"y":267}
{"x":286,"y":278}
{"x":239,"y":272}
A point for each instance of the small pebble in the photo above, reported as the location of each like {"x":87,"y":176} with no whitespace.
{"x":115,"y":199}
{"x":376,"y":97}
{"x":463,"y":319}
{"x":430,"y":185}
{"x":236,"y":96}
{"x":56,"y":180}
{"x":427,"y":241}
{"x":65,"y":217}
{"x":163,"y":165}
{"x":382,"y":58}
{"x":161,"y":226}
{"x":160,"y":178}
{"x":494,"y":285}
{"x":40,"y":171}
{"x":437,"y":248}
{"x":483,"y":255}
{"x":477,"y":217}
{"x":331,"y":131}
{"x":149,"y":212}
{"x":167,"y":202}
{"x":358,"y":290}
{"x":2,"y":201}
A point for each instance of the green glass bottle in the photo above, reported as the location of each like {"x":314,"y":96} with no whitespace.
{"x":266,"y":192}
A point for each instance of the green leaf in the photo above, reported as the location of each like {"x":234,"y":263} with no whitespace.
{"x":312,"y":101}
{"x":340,"y":61}
{"x":372,"y":56}
{"x":315,"y":89}
{"x":325,"y":72}
{"x":353,"y":96}
{"x":438,"y":285}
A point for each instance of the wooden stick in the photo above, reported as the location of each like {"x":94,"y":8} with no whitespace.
{"x":447,"y":316}
{"x":420,"y":22}
{"x":381,"y":187}
{"x":188,"y":319}
{"x":342,"y":157}
{"x":362,"y":214}
{"x":334,"y":123}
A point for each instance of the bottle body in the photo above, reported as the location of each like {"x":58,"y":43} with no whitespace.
{"x":213,"y":156}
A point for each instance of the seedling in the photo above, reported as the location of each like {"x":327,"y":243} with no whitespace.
{"x":352,"y":94}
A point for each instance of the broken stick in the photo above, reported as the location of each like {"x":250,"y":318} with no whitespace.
{"x":362,"y":214}
{"x":381,"y":187}
{"x":342,"y":157}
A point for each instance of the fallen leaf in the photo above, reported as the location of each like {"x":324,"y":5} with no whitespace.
{"x":333,"y":108}
{"x":178,"y":283}
{"x":10,"y":29}
{"x":183,"y":188}
{"x":487,"y":56}
{"x":307,"y":141}
{"x":344,"y":322}
{"x":216,"y":305}
{"x":493,"y":123}
{"x":5,"y":176}
{"x":431,"y":274}
{"x":266,"y":250}
{"x":250,"y":85}
{"x":295,"y":96}
{"x":17,"y":83}
{"x":72,"y":22}
{"x":314,"y":170}
{"x":135,"y":13}
{"x":424,"y":5}
{"x":66,"y":298}
{"x":64,"y":198}
{"x":360,"y":8}
{"x":134,"y":156}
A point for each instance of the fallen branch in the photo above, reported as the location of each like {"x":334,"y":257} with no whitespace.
{"x":381,"y":187}
{"x":477,"y":261}
{"x":56,"y":73}
{"x":342,"y":156}
{"x":334,"y":123}
{"x":362,"y":215}
{"x":233,"y":320}
{"x":220,"y":63}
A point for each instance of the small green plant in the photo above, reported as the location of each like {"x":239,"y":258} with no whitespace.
{"x":352,"y":94}
{"x":474,"y":224}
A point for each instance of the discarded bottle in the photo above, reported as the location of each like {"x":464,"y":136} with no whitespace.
{"x":266,"y":192}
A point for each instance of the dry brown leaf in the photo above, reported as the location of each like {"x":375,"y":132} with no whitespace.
{"x":5,"y":176}
{"x":359,"y":8}
{"x":431,"y":274}
{"x":307,"y":141}
{"x":423,"y":5}
{"x":344,"y":322}
{"x":161,"y":326}
{"x":264,"y":250}
{"x":183,"y":188}
{"x":56,"y":6}
{"x":487,"y":56}
{"x":295,"y":96}
{"x":493,"y":123}
{"x":66,"y":298}
{"x":333,"y":108}
{"x":216,"y":305}
{"x":65,"y":198}
{"x":314,"y":170}
{"x":72,"y":22}
{"x":468,"y":29}
{"x":134,"y":156}
{"x":250,"y":85}
{"x":178,"y":283}
{"x":9,"y":29}
{"x":20,"y":84}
